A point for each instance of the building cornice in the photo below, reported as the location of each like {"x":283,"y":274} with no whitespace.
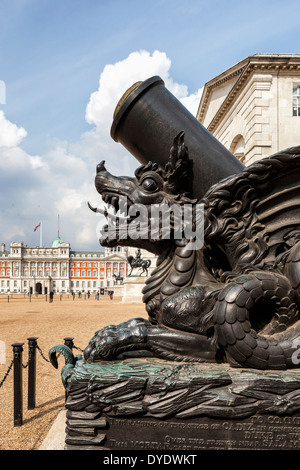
{"x":115,"y":257}
{"x":258,"y":63}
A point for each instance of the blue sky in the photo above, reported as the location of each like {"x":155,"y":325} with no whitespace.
{"x":54,"y":125}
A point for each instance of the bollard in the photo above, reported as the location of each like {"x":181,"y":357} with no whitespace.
{"x":31,"y":372}
{"x":18,"y":384}
{"x":69,"y":342}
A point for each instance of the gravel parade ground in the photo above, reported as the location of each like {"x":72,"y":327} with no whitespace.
{"x":50,"y":323}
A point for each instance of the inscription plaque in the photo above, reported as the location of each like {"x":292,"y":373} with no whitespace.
{"x":140,"y":404}
{"x":254,"y":433}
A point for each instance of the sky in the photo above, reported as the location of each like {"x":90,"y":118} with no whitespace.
{"x":64,"y":64}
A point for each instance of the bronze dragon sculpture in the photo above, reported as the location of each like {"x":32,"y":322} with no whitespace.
{"x":237,"y":298}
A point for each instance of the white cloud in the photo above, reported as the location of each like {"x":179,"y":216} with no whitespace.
{"x":61,"y":181}
{"x":10,"y":134}
{"x":114,"y":80}
{"x":191,"y":102}
{"x":117,"y":78}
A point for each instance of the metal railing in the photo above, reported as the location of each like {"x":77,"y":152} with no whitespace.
{"x":47,"y":297}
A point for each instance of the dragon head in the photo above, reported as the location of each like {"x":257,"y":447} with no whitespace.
{"x":153,"y":186}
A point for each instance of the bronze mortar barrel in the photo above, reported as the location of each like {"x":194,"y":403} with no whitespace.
{"x":146,"y":120}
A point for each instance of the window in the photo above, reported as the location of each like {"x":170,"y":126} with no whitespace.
{"x":237,"y":147}
{"x":296,"y":100}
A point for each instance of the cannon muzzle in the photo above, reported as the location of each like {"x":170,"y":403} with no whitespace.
{"x":146,"y":120}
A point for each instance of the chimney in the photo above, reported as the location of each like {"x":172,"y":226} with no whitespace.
{"x":2,"y":247}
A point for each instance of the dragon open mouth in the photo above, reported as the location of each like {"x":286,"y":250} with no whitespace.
{"x":118,"y":219}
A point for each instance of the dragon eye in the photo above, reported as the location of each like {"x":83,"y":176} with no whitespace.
{"x":149,"y":185}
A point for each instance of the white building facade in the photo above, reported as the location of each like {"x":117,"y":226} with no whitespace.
{"x":253,"y":108}
{"x":58,"y":269}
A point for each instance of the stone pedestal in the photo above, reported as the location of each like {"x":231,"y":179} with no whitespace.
{"x":151,"y":404}
{"x":132,"y":290}
{"x":118,"y":290}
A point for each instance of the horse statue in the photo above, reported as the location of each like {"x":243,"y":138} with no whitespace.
{"x":138,"y":262}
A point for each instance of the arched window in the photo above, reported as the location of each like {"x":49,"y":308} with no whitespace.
{"x":237,"y":147}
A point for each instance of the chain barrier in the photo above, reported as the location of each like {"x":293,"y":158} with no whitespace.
{"x":31,"y":365}
{"x":7,"y":373}
{"x":41,"y":353}
{"x":29,"y":359}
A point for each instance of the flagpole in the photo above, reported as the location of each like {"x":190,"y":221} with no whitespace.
{"x":41,"y":234}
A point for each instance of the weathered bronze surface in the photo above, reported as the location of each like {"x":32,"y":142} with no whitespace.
{"x":226,"y":312}
{"x":146,"y":123}
{"x":139,"y":264}
{"x":157,"y":405}
{"x":237,"y":298}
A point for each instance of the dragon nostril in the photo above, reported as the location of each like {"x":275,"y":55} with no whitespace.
{"x":101,"y":167}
